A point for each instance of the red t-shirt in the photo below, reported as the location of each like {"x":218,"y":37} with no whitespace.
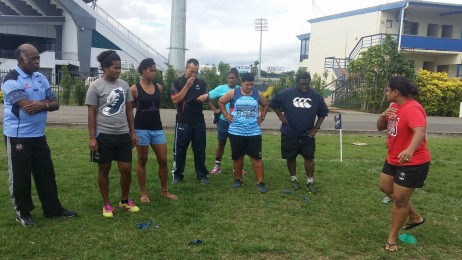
{"x":408,"y":116}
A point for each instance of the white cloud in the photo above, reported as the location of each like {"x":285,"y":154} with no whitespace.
{"x":218,"y":30}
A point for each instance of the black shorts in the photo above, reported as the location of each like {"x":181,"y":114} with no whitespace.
{"x":293,"y":146}
{"x":112,"y":148}
{"x":412,"y":176}
{"x":241,"y":145}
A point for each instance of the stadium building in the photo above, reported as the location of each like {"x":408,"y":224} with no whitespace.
{"x":68,"y":32}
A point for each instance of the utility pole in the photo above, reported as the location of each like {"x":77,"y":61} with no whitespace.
{"x":261,"y":24}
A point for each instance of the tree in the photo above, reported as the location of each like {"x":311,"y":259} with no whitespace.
{"x":209,"y":75}
{"x":79,"y":91}
{"x":223,"y":70}
{"x":319,"y":82}
{"x":373,"y":69}
{"x":66,"y":84}
{"x":131,"y":76}
{"x":169,"y":76}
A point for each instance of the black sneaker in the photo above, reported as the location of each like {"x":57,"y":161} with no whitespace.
{"x":26,"y":220}
{"x":68,"y":214}
{"x":64,"y":214}
{"x":261,"y":187}
{"x":295,"y":185}
{"x":310,"y":188}
{"x":237,"y":184}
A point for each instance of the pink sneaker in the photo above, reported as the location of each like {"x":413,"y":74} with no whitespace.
{"x":216,"y":170}
{"x":108,"y":211}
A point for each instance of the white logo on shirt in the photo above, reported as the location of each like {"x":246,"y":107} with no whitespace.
{"x":302,"y":102}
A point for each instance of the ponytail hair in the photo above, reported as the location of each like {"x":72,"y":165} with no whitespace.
{"x":106,"y":58}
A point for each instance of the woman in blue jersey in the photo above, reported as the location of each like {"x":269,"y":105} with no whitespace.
{"x":148,"y":127}
{"x":244,"y":128}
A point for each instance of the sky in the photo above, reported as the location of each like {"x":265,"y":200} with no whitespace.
{"x":219,"y":30}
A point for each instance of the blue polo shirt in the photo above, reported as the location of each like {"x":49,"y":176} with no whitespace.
{"x":17,"y":86}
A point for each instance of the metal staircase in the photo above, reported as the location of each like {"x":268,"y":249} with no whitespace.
{"x":343,"y":87}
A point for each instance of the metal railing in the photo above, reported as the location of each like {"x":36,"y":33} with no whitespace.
{"x":368,"y":41}
{"x":129,"y":34}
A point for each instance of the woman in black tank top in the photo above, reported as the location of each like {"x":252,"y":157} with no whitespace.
{"x":147,"y":96}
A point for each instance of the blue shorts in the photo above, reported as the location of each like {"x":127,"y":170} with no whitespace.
{"x":148,"y":137}
{"x":222,"y":130}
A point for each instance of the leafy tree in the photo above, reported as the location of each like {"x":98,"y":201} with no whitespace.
{"x":374,"y":67}
{"x":319,"y":82}
{"x":209,"y":75}
{"x":66,"y":84}
{"x":131,"y":76}
{"x":170,"y":75}
{"x":223,"y":69}
{"x":79,"y":91}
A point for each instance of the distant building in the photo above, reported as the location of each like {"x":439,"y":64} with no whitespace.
{"x":430,"y":34}
{"x":68,"y":32}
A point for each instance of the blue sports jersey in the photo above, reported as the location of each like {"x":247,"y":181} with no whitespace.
{"x":245,"y":112}
{"x":18,"y":86}
{"x":218,"y":92}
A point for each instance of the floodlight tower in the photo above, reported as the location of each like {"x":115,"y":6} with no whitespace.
{"x":176,"y":56}
{"x":261,"y":24}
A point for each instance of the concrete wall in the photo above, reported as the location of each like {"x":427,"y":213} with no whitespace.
{"x":338,"y":37}
{"x":70,"y":44}
{"x":45,"y":31}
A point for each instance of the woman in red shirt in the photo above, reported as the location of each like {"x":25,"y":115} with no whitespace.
{"x":408,"y":158}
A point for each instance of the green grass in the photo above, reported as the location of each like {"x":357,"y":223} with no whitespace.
{"x":344,"y":220}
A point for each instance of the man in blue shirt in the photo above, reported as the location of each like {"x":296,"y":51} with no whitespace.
{"x":301,"y":106}
{"x":28,"y":97}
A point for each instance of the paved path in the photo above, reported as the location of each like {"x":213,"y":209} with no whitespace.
{"x":353,"y":122}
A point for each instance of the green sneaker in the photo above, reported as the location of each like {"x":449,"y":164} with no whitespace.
{"x":295,"y":185}
{"x":310,"y":188}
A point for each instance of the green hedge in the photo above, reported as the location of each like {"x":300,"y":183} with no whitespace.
{"x":439,"y":94}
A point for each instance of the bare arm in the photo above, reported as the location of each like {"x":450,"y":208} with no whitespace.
{"x":312,"y":132}
{"x":226,"y":98}
{"x":281,"y":116}
{"x":178,"y":97}
{"x":93,"y":144}
{"x":131,"y":122}
{"x":35,"y":106}
{"x":264,"y":107}
{"x":134,"y":92}
{"x":382,"y":121}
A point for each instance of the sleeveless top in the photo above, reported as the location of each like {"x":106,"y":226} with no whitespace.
{"x":147,"y":106}
{"x":245,"y":112}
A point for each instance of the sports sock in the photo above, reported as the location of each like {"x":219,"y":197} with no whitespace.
{"x":310,"y":180}
{"x":217,"y":162}
{"x":294,"y":178}
{"x":124,"y":201}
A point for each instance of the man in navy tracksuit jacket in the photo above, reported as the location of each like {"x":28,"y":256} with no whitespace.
{"x":189,"y":94}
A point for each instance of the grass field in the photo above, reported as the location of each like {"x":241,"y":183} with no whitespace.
{"x":345,"y":220}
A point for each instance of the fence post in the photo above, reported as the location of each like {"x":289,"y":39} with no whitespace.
{"x":460,"y":110}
